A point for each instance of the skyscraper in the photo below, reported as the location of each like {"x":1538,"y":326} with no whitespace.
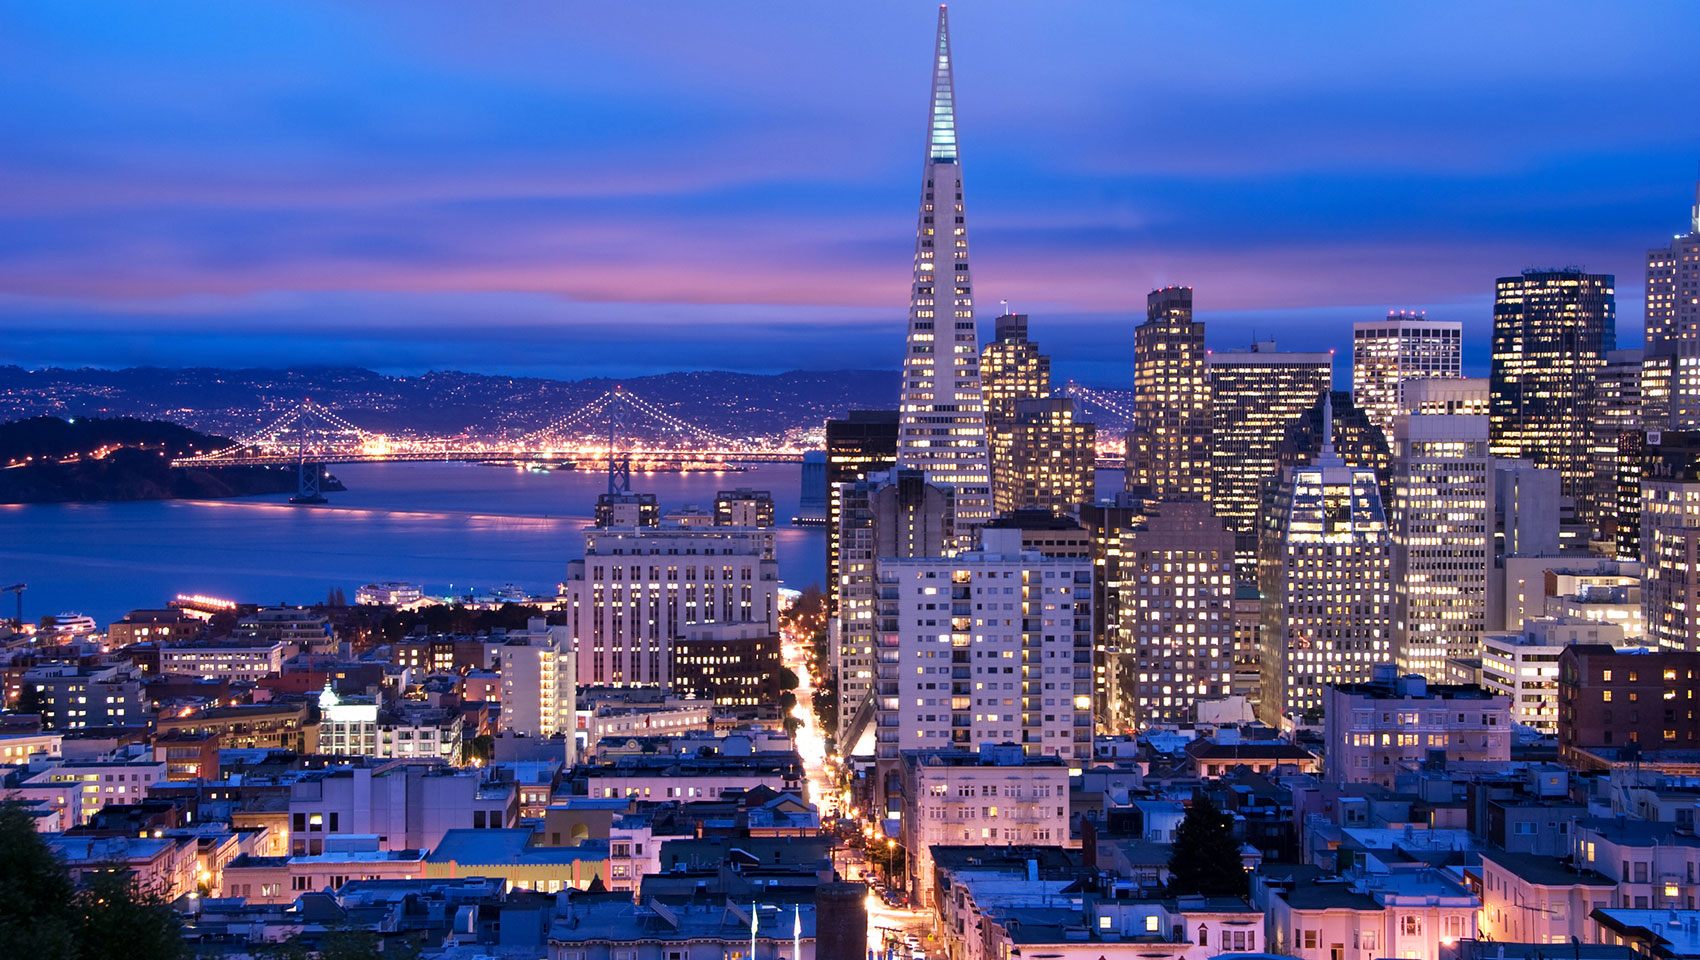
{"x":1673,"y":330}
{"x":1670,"y":541}
{"x":943,"y":429}
{"x":1402,"y":347}
{"x":1168,"y":448}
{"x":1256,"y":394}
{"x":1175,"y":615}
{"x":1614,"y":407}
{"x":1050,"y":458}
{"x":1552,"y":330}
{"x":1011,"y":370}
{"x":1442,"y":524}
{"x":1325,"y":572}
{"x":863,"y":443}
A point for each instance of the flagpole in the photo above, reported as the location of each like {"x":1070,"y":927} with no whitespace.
{"x":797,"y":932}
{"x":754,"y":912}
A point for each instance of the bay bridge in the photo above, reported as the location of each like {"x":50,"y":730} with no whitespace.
{"x":310,"y":436}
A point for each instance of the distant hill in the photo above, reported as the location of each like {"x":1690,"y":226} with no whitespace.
{"x":234,"y":402}
{"x":49,"y":460}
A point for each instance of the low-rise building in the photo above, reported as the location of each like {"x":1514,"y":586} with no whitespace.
{"x":1377,"y":730}
{"x":958,"y":798}
{"x":728,"y":664}
{"x":237,"y":662}
{"x":1625,"y":704}
{"x":259,"y":726}
{"x":407,"y":805}
{"x":1653,"y":865}
{"x":1524,"y":666}
{"x":511,"y":855}
{"x":1534,"y":899}
{"x":699,"y":929}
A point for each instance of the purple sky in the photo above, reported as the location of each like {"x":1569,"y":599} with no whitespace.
{"x":566,"y":189}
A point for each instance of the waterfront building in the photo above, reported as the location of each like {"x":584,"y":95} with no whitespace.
{"x":811,"y":497}
{"x":390,"y":593}
{"x":1325,"y":575}
{"x":1523,"y":667}
{"x":744,"y":507}
{"x":156,"y":626}
{"x":1049,"y":458}
{"x":991,"y":645}
{"x":862,"y":444}
{"x":1552,"y":330}
{"x":540,"y":675}
{"x":997,"y":795}
{"x":1672,"y":360}
{"x":1168,"y":447}
{"x":1375,"y":731}
{"x":1256,"y":394}
{"x":1405,"y":346}
{"x":1670,"y":542}
{"x":627,"y":510}
{"x":943,"y":429}
{"x":1442,"y":527}
{"x":1174,"y":610}
{"x":637,"y":589}
{"x":897,"y":515}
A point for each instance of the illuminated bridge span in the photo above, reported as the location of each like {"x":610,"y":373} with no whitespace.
{"x":1112,"y":416}
{"x":312,"y":435}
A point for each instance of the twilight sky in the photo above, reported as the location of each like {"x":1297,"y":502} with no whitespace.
{"x":576,"y":188}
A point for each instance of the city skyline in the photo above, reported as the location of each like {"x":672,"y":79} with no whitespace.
{"x":373,"y":197}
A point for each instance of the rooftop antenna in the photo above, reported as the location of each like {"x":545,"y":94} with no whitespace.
{"x":1004,"y":304}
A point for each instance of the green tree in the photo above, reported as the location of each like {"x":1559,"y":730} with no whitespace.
{"x":1206,"y":859}
{"x":45,"y":917}
{"x":29,"y":700}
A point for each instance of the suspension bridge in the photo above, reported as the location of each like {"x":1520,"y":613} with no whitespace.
{"x":310,"y":436}
{"x":1112,"y":416}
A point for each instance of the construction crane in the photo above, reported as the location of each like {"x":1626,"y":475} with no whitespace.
{"x":17,"y":589}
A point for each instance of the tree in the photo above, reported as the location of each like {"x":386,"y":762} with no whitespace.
{"x":43,"y":915}
{"x":1207,"y":857}
{"x":29,"y":700}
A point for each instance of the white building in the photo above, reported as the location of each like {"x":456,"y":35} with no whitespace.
{"x":407,"y":805}
{"x":639,"y":587}
{"x":943,"y":415}
{"x":1524,"y":666}
{"x":989,"y":646}
{"x":1442,"y":525}
{"x":540,"y":683}
{"x":357,"y":726}
{"x":77,"y":789}
{"x":390,"y":593}
{"x":1326,"y":581}
{"x":1403,"y":347}
{"x":236,"y":662}
{"x":997,"y":796}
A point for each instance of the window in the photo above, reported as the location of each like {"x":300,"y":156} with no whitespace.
{"x":1410,"y":925}
{"x":1308,"y":938}
{"x":1151,"y":924}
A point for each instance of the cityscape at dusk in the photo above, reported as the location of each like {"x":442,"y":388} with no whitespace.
{"x":474,"y":486}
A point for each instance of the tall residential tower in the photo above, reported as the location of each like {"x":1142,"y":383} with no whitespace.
{"x":943,"y":426}
{"x":1168,"y":449}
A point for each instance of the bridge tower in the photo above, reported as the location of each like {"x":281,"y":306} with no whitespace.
{"x":309,"y":477}
{"x":619,"y":461}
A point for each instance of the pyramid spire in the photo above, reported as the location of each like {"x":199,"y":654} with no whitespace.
{"x":941,"y":123}
{"x":1327,"y":456}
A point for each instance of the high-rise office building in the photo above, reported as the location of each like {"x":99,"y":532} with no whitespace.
{"x":1174,"y":615}
{"x":1614,"y":405}
{"x":1444,"y":396}
{"x":989,"y":646}
{"x":1106,"y":524}
{"x":1049,"y":458}
{"x":896,"y":515}
{"x":744,"y":507}
{"x":1168,"y":447}
{"x":1012,"y":370}
{"x":1552,"y":330}
{"x":1403,"y":347}
{"x":1442,"y":526}
{"x":1325,"y":572}
{"x":943,"y":429}
{"x":1256,"y":394}
{"x":1672,"y":362}
{"x":862,"y":444}
{"x":637,"y":589}
{"x":1670,"y":541}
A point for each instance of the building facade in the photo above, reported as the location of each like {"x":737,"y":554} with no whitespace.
{"x":1552,"y":330}
{"x":1386,"y":353}
{"x":862,"y":444}
{"x":1256,"y":394}
{"x":1174,"y":612}
{"x":1391,"y":725}
{"x":1168,"y":447}
{"x":1325,"y":575}
{"x":1049,"y":458}
{"x":1442,"y":526}
{"x":1672,"y":360}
